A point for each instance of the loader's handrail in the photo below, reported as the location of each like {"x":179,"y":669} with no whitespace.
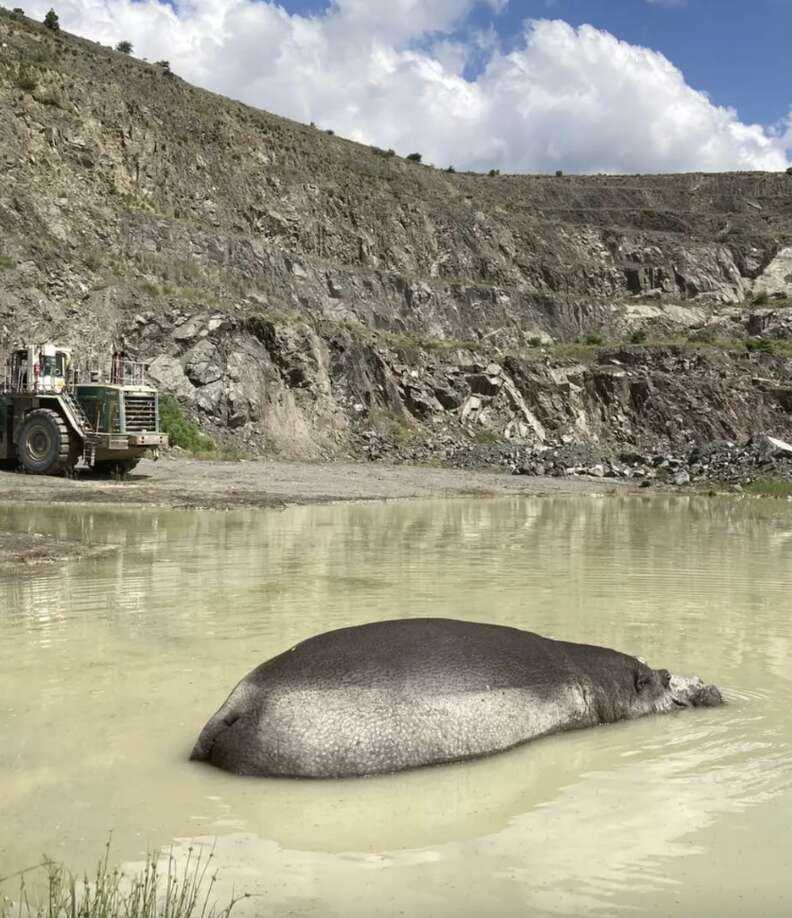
{"x":120,"y":372}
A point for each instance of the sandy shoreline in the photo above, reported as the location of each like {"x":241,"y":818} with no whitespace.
{"x":196,"y":484}
{"x":180,"y":483}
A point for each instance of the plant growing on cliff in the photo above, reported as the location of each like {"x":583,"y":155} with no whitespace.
{"x":181,"y":431}
{"x":125,"y":47}
{"x":414,"y":157}
{"x":26,"y":80}
{"x":7,"y":263}
{"x":51,"y":21}
{"x":760,"y":345}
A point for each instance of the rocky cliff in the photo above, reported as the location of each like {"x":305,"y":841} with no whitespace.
{"x":308,"y":296}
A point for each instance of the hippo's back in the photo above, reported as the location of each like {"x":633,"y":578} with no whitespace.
{"x":391,"y":695}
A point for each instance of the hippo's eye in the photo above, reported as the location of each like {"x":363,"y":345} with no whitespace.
{"x":641,"y":681}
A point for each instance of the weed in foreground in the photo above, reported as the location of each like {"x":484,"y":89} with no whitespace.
{"x":153,"y":892}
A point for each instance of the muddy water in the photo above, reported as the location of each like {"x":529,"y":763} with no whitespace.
{"x":110,"y":666}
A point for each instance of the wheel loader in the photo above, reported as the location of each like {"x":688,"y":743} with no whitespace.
{"x":53,"y":415}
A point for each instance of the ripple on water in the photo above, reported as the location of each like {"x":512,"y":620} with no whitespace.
{"x":109,"y":668}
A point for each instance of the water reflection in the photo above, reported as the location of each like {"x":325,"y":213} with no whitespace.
{"x":109,"y":667}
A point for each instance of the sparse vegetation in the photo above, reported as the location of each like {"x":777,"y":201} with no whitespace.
{"x":414,"y":157}
{"x":7,"y":263}
{"x":769,"y":487}
{"x":164,"y":65}
{"x":493,"y":172}
{"x":27,"y":80}
{"x":761,"y":299}
{"x":593,"y":340}
{"x":485,"y":436}
{"x":181,"y":431}
{"x":559,"y":173}
{"x":51,"y":21}
{"x":125,"y":47}
{"x":153,"y":892}
{"x":763,"y":345}
{"x":394,"y":426}
{"x":639,"y":336}
{"x":450,"y":169}
{"x":18,"y":13}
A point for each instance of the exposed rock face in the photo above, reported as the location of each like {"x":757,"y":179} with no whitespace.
{"x":311,"y":296}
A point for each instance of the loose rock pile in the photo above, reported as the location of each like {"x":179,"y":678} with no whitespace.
{"x":719,"y":461}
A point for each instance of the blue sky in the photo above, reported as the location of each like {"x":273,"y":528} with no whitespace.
{"x":525,"y":86}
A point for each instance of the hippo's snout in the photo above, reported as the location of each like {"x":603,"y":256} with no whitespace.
{"x":708,"y":696}
{"x":693,"y":693}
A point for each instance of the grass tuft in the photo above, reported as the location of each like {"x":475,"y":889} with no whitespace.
{"x":769,"y":487}
{"x":156,"y":891}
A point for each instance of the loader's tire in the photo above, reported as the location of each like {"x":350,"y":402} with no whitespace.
{"x":46,"y":445}
{"x":111,"y":467}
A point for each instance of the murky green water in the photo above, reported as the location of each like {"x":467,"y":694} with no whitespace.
{"x":109,"y":668}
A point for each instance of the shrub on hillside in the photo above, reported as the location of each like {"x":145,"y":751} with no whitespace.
{"x":51,"y":21}
{"x":125,"y":47}
{"x":414,"y":157}
{"x":493,"y":172}
{"x":181,"y":430}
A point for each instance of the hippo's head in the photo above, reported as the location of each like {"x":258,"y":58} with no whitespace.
{"x":658,"y":692}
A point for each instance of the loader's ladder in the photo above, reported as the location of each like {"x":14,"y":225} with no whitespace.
{"x":78,"y":412}
{"x":89,"y":436}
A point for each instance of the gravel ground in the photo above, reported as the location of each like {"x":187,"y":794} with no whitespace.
{"x":191,"y":483}
{"x":178,"y":483}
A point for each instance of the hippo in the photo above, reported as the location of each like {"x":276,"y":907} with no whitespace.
{"x":394,"y":695}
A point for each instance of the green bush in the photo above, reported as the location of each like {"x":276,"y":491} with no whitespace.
{"x":559,"y":173}
{"x":181,"y":430}
{"x":593,"y":340}
{"x":493,"y":172}
{"x":51,"y":21}
{"x":125,"y":47}
{"x":414,"y":157}
{"x":450,"y":169}
{"x":761,"y":299}
{"x":7,"y":263}
{"x":534,"y":341}
{"x":638,"y":336}
{"x":762,"y":345}
{"x":18,"y":13}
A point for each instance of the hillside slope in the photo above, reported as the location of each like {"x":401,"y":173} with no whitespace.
{"x":312,"y":295}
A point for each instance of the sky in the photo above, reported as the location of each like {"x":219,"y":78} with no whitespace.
{"x":585,"y":86}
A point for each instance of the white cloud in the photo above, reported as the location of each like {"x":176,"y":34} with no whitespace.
{"x":389,"y":72}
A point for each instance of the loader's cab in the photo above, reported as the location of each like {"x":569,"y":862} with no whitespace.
{"x":39,"y":368}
